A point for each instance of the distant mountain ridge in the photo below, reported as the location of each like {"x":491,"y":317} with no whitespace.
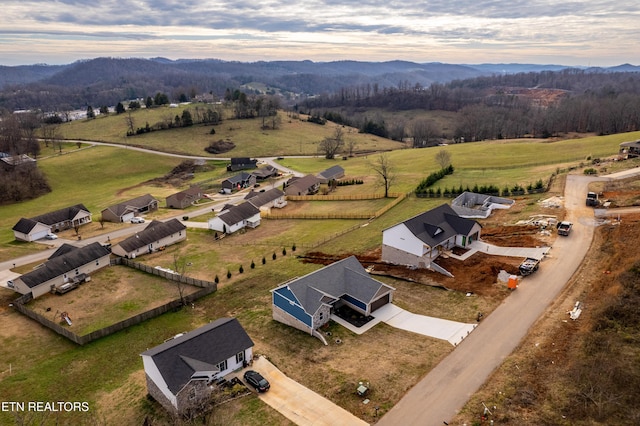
{"x":105,"y":81}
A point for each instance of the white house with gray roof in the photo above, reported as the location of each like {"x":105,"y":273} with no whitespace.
{"x":38,"y":227}
{"x":62,"y":267}
{"x":234,"y":218}
{"x":180,"y":370}
{"x":306,"y":303}
{"x":418,"y":241}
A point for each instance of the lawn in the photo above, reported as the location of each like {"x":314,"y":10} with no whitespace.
{"x":114,"y":294}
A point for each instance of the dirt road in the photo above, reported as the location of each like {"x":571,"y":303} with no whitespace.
{"x":439,"y":396}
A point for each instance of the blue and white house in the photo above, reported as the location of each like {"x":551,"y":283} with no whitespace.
{"x":306,"y":303}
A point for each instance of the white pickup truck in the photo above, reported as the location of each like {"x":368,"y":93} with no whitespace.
{"x":564,"y":228}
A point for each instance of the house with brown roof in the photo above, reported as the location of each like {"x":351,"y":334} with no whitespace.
{"x":127,"y":210}
{"x":67,"y":263}
{"x":155,"y":236}
{"x":184,"y":199}
{"x":306,"y":185}
{"x":38,"y":227}
{"x":181,"y":370}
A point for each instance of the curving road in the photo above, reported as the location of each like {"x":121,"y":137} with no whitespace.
{"x":445,"y":389}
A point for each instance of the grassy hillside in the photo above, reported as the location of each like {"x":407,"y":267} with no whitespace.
{"x":295,"y":136}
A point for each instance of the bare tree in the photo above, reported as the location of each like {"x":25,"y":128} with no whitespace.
{"x":423,"y":132}
{"x":330,"y":146}
{"x":130,"y":123}
{"x":179,"y":267}
{"x":384,"y":170}
{"x":443,"y":157}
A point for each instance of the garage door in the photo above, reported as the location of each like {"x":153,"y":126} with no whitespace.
{"x":380,"y":303}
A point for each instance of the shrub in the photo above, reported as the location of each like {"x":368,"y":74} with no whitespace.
{"x":253,"y":265}
{"x":241,"y":269}
{"x":228,"y":274}
{"x":264,"y":260}
{"x":274,"y":256}
{"x":293,"y":247}
{"x":216,"y":279}
{"x":284,"y":251}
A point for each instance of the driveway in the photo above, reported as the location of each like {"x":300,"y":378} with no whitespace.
{"x":298,"y":403}
{"x":441,"y":393}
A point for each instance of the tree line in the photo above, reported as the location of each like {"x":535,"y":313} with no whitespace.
{"x":494,"y":107}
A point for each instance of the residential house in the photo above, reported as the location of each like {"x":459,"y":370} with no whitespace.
{"x":67,"y":263}
{"x":234,"y":218}
{"x":125,"y":211}
{"x":267,"y":199}
{"x":238,"y":182}
{"x":479,"y":206}
{"x":156,"y":236}
{"x":630,"y":149}
{"x":38,"y":227}
{"x":184,"y":199}
{"x":264,"y":172}
{"x":306,"y":303}
{"x":306,"y":185}
{"x":418,"y":241}
{"x":241,"y":163}
{"x":179,"y":372}
{"x":332,"y":173}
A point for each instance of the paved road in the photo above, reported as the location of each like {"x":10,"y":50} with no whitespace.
{"x":439,"y":396}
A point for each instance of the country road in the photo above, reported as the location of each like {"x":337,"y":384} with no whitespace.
{"x":443,"y":392}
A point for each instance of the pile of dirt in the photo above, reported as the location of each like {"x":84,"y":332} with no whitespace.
{"x":219,"y":147}
{"x":180,"y":174}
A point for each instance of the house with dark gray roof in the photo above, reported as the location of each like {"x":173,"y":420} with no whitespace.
{"x":156,"y":236}
{"x":183,"y":199}
{"x":265,"y":172}
{"x":267,"y":199}
{"x":125,"y":211}
{"x":306,"y":185}
{"x":179,"y":371}
{"x":238,"y":182}
{"x":418,"y":241}
{"x":234,"y":218}
{"x":242,"y":163}
{"x":307,"y":303}
{"x":332,"y":173}
{"x":62,"y":267}
{"x":37,"y":227}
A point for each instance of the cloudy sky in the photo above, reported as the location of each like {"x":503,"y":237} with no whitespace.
{"x":571,"y":32}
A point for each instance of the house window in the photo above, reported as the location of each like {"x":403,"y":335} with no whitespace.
{"x":192,"y":394}
{"x":321,"y":316}
{"x":222,"y":366}
{"x":97,"y":262}
{"x":77,"y":271}
{"x":239,"y":357}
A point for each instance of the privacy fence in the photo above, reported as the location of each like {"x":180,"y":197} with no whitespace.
{"x":207,"y":287}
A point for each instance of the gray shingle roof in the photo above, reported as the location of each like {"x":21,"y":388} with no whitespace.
{"x":61,"y":215}
{"x":237,"y":214}
{"x":259,"y":199}
{"x":155,"y":231}
{"x":69,"y":261}
{"x":134,"y":204}
{"x":198,"y":350}
{"x":24,"y":225}
{"x":334,"y":172}
{"x":345,"y":277}
{"x":438,"y":224}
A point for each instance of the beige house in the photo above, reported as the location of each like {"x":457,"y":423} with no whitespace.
{"x":155,"y":236}
{"x":63,"y":267}
{"x":127,"y":210}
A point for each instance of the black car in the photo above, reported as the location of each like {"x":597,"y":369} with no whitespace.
{"x":256,"y":380}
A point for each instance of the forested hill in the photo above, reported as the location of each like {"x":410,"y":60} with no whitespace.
{"x":106,"y":81}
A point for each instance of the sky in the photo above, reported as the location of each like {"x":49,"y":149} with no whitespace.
{"x":572,"y":32}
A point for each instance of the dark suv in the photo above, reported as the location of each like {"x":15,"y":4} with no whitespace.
{"x":256,"y":380}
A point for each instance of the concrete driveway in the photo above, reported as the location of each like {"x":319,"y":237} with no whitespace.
{"x":298,"y":403}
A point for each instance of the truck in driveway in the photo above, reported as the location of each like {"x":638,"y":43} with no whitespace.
{"x":564,"y":228}
{"x":592,"y":199}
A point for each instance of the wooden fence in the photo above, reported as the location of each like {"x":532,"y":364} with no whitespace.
{"x":207,"y":287}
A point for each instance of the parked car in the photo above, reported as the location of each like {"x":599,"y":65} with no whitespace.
{"x":51,"y":236}
{"x":137,"y":220}
{"x":256,"y":380}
